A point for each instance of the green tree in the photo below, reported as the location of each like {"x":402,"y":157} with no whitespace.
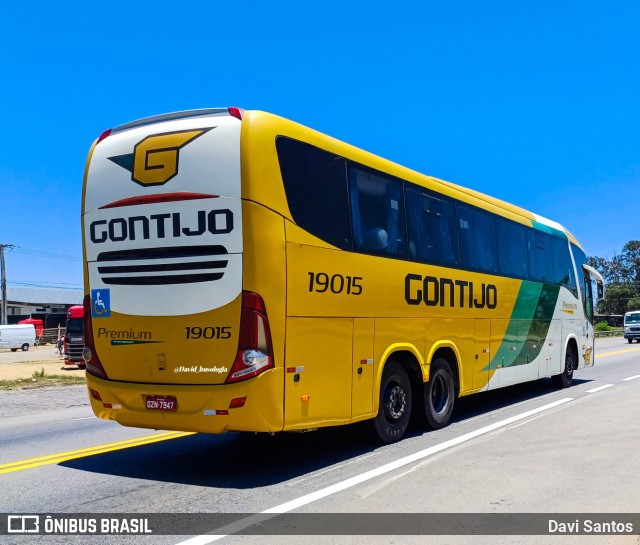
{"x":622,"y":277}
{"x":616,"y":298}
{"x":633,"y":304}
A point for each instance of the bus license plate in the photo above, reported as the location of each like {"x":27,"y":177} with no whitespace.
{"x":161,"y":403}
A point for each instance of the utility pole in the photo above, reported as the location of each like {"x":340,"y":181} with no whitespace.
{"x":3,"y":284}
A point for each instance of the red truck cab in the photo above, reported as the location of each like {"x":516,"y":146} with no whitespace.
{"x":74,"y":337}
{"x":37,"y":323}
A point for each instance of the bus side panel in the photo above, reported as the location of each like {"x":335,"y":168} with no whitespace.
{"x":482,"y":336}
{"x":362,"y":390}
{"x":508,"y":342}
{"x":318,"y":372}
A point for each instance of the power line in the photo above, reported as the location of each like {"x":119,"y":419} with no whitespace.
{"x":39,"y":284}
{"x":44,"y":253}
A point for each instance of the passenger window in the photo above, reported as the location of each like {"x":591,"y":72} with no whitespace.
{"x":315,"y":182}
{"x":540,"y":257}
{"x":377,"y":210}
{"x":512,"y":248}
{"x":431,"y":222}
{"x":477,"y":236}
{"x":562,"y":266}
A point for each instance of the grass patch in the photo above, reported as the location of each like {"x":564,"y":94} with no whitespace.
{"x":39,"y":379}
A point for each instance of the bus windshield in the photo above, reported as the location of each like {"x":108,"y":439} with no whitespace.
{"x":632,"y":318}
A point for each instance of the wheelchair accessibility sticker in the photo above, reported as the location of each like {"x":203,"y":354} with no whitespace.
{"x":101,"y":303}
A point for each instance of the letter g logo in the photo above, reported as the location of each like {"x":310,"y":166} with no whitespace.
{"x":154,"y":160}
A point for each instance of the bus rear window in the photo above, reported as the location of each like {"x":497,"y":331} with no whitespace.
{"x":315,"y":182}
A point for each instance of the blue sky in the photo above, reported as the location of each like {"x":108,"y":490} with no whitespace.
{"x":536,"y":103}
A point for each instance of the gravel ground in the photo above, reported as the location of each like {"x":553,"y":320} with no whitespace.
{"x":33,"y":400}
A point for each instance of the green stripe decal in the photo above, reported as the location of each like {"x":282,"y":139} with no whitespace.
{"x":528,"y":327}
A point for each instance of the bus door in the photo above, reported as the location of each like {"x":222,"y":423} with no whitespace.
{"x":590,"y":275}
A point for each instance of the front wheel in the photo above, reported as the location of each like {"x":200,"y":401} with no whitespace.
{"x":565,"y":379}
{"x":394,"y":409}
{"x":439,"y":395}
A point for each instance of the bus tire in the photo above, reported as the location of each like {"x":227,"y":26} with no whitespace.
{"x":394,"y":410}
{"x":564,"y":379}
{"x":439,"y":395}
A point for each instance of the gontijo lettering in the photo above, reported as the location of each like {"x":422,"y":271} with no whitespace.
{"x":447,"y":292}
{"x":159,"y":226}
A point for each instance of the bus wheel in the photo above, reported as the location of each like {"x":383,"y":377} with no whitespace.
{"x":439,"y":395}
{"x":570,"y":363}
{"x":394,"y":409}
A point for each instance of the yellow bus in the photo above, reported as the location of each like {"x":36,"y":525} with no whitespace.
{"x":244,"y":272}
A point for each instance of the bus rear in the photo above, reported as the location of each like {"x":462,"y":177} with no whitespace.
{"x":172,"y":339}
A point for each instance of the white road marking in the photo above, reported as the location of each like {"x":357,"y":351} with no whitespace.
{"x":603,"y":387}
{"x":630,"y":378}
{"x":366,"y":476}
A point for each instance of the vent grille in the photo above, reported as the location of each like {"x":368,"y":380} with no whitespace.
{"x":161,"y":266}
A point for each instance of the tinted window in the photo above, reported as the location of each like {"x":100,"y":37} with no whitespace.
{"x":316,"y":186}
{"x":562,"y":266}
{"x":431,"y":222}
{"x":377,"y":208}
{"x":512,"y":248}
{"x":477,"y":237}
{"x":540,"y":257}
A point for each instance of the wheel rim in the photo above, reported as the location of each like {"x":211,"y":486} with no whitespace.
{"x":439,"y":394}
{"x":569,"y":367}
{"x":396,"y":403}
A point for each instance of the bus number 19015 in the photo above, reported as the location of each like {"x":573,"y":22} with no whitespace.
{"x":337,"y":283}
{"x":208,"y":332}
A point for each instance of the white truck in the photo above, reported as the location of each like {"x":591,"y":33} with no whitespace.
{"x":17,"y":336}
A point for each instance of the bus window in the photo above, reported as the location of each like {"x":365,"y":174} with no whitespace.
{"x":377,"y":210}
{"x":540,"y":258}
{"x":512,"y":248}
{"x":562,"y":266}
{"x":477,"y":235}
{"x":316,"y":186}
{"x":432,"y":227}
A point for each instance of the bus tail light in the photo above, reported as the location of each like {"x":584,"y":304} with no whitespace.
{"x":255,"y":352}
{"x":103,"y":135}
{"x":236,"y":112}
{"x":89,"y":352}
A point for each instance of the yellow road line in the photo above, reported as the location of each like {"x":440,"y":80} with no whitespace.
{"x":90,"y":451}
{"x":616,"y":352}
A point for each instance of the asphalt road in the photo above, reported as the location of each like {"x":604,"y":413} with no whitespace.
{"x":525,"y":449}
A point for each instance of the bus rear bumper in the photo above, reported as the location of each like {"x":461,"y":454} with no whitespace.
{"x":203,"y":409}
